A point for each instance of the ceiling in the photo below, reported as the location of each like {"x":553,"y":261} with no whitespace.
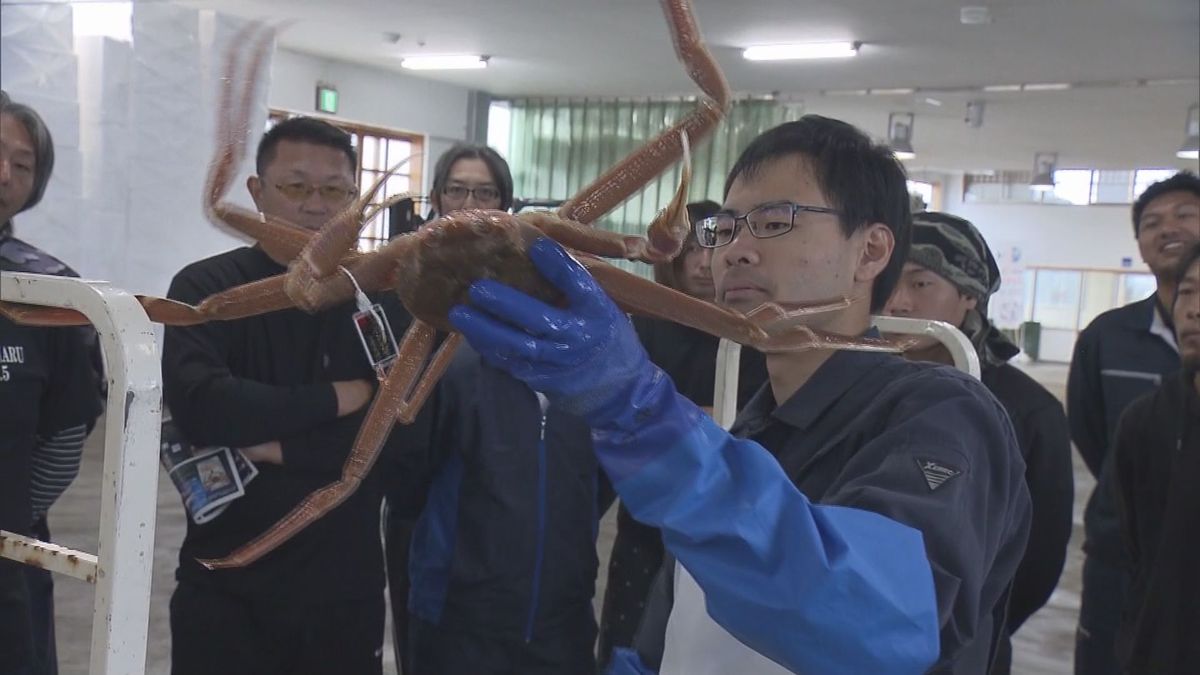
{"x":621,"y":48}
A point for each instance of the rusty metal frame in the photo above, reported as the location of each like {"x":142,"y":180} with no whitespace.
{"x":129,"y":494}
{"x":48,"y":556}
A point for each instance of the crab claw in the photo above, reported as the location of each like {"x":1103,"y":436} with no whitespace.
{"x":670,"y":227}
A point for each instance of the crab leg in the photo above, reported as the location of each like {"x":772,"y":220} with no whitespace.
{"x":403,"y":393}
{"x":644,"y":297}
{"x":650,"y":160}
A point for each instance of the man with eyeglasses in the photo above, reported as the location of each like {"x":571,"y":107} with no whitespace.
{"x":289,"y":390}
{"x":866,"y":514}
{"x":498,"y":529}
{"x":470,"y":177}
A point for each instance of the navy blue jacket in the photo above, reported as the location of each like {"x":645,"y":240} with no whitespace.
{"x":1117,"y":360}
{"x":505,"y":544}
{"x":808,"y":528}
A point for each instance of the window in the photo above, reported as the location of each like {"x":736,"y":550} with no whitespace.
{"x":1112,"y":187}
{"x":1073,"y":186}
{"x":1065,"y":300}
{"x":1144,"y":178}
{"x":1080,"y":187}
{"x":925,"y":191}
{"x":379,"y":149}
{"x":499,"y":126}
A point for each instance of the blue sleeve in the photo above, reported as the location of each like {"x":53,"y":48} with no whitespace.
{"x":820,"y":589}
{"x":626,"y":662}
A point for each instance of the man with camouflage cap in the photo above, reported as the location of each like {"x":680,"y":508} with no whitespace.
{"x":949,"y":276}
{"x":49,"y":398}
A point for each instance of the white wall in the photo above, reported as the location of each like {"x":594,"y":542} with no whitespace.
{"x":1067,"y":236}
{"x":374,"y":96}
{"x":38,"y":67}
{"x":1050,"y":234}
{"x":134,"y":131}
{"x":1031,"y":235}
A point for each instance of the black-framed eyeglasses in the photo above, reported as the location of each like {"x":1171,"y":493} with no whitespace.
{"x":484,"y":194}
{"x":766,"y":221}
{"x":299,"y":192}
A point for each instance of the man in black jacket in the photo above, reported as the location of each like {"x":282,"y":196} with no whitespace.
{"x":949,"y":276}
{"x":1123,"y":354}
{"x":1155,"y":469}
{"x":288,"y":389}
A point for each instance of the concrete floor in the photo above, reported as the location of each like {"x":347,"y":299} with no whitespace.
{"x":1043,"y":647}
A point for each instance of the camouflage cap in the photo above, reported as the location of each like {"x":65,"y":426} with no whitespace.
{"x":952,"y":248}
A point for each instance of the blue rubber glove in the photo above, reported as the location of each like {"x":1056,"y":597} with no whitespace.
{"x":586,"y":357}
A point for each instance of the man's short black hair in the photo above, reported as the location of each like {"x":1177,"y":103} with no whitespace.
{"x":1185,"y":263}
{"x":1184,"y":181}
{"x":860,"y":178}
{"x":304,"y":130}
{"x":496,"y":165}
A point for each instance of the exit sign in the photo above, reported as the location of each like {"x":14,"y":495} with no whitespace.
{"x":327,"y":99}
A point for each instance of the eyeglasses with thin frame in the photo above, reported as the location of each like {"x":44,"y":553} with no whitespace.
{"x":484,"y":194}
{"x":298,"y":192}
{"x":769,"y":220}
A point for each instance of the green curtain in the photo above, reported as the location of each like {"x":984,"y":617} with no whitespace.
{"x":558,"y":146}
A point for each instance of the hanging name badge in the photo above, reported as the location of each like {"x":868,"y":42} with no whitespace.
{"x":374,"y":331}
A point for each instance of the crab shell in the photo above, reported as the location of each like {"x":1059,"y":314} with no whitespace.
{"x":451,"y":253}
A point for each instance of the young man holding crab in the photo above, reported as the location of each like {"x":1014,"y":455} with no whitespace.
{"x":867,"y":514}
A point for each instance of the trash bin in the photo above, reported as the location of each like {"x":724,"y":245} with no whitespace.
{"x":1031,"y":339}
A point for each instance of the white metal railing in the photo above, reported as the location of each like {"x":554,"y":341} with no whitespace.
{"x":953,"y":339}
{"x":729,"y":358}
{"x":129,"y":495}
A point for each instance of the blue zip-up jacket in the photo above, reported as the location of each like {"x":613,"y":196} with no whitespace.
{"x":505,"y":544}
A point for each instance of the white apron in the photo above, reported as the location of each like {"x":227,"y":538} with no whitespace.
{"x":698,"y":645}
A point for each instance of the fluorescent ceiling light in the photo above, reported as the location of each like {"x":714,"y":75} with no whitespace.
{"x":902,"y":91}
{"x":1003,"y":87}
{"x":446,"y":62}
{"x":1048,"y":86}
{"x":812,"y":50}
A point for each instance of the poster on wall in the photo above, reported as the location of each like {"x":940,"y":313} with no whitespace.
{"x":1006,"y":308}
